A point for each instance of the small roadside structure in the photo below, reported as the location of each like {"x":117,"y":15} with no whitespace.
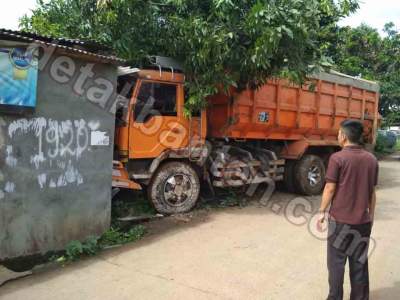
{"x":56,"y":141}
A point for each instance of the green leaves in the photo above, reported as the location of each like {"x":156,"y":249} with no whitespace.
{"x":221,"y":43}
{"x":288,"y":31}
{"x":92,"y":245}
{"x":221,"y":3}
{"x":76,"y":249}
{"x":363,"y":51}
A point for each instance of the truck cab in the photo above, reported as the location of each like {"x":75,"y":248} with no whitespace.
{"x":152,"y":120}
{"x":153,"y":135}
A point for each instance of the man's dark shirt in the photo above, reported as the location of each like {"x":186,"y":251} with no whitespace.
{"x":355,"y":172}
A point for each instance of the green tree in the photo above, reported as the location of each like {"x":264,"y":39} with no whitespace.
{"x":389,"y":74}
{"x":362,"y":51}
{"x":359,"y":51}
{"x":222,"y":43}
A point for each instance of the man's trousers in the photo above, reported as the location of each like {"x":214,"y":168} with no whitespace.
{"x":348,"y":242}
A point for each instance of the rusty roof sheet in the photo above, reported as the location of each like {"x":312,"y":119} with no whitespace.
{"x":85,"y":48}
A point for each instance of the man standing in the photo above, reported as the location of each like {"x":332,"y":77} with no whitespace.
{"x":350,"y":191}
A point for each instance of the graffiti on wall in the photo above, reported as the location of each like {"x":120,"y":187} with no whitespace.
{"x":58,"y":148}
{"x":61,"y":139}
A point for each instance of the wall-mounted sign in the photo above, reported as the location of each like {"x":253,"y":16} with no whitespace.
{"x":18,"y":79}
{"x":99,"y":138}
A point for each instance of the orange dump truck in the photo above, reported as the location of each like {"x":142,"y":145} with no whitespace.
{"x":279,"y":132}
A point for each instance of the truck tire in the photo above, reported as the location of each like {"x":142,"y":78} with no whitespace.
{"x":174,"y":188}
{"x":309,"y":174}
{"x":288,"y":177}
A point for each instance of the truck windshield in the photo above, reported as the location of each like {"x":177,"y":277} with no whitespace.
{"x":155,"y":99}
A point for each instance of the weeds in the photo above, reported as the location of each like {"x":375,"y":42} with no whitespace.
{"x":115,"y":236}
{"x":131,"y":204}
{"x":225,"y":198}
{"x":76,"y":249}
{"x":92,"y":245}
{"x":230,"y":199}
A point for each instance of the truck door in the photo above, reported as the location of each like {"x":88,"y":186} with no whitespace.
{"x":157,"y":119}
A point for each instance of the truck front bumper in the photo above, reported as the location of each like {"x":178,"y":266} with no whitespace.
{"x":120,"y":178}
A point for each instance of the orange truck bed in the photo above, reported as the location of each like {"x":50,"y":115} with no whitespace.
{"x":279,"y":110}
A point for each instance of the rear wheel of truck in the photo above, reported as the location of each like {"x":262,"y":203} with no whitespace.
{"x":174,"y":188}
{"x":288,"y":177}
{"x":309,"y":174}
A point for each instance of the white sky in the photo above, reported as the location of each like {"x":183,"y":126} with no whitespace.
{"x":373,"y":12}
{"x":11,"y":11}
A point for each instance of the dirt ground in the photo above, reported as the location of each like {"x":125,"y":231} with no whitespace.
{"x":256,"y":252}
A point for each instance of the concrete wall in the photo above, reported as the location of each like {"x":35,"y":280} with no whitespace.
{"x":55,"y":177}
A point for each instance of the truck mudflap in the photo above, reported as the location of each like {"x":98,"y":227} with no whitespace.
{"x":120,"y":178}
{"x":233,"y":167}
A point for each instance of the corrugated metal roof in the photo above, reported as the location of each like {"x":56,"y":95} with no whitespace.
{"x":127,"y":71}
{"x":86,"y":48}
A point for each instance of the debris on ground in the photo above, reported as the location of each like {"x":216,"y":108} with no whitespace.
{"x":185,"y":218}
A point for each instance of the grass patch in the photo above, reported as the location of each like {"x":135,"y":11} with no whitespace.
{"x":225,"y":198}
{"x":128,"y":203}
{"x":115,"y":236}
{"x":92,"y":245}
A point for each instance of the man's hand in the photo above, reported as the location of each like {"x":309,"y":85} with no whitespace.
{"x":327,"y":196}
{"x":321,"y":220}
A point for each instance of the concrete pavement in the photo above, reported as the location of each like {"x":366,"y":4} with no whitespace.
{"x":250,"y":253}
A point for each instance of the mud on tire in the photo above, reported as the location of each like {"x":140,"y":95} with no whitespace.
{"x":309,"y":175}
{"x":174,"y":188}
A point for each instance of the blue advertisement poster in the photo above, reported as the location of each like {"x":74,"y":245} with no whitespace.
{"x":18,"y":78}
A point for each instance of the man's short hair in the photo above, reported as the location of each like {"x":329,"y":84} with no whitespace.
{"x":353,"y":130}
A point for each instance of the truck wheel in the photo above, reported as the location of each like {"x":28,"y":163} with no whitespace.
{"x":288,"y":177}
{"x":309,"y":175}
{"x":174,"y":188}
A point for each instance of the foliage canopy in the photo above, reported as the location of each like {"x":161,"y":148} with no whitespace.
{"x":362,"y":51}
{"x":221,"y":42}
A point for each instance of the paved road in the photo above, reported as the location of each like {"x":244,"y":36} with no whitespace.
{"x":250,"y":253}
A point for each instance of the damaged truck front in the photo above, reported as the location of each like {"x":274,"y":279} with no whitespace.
{"x":278,"y":132}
